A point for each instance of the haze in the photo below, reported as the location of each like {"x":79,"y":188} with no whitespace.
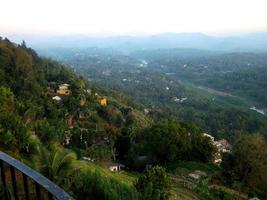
{"x":132,"y":16}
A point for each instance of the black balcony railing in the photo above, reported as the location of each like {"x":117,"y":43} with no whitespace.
{"x":21,"y":182}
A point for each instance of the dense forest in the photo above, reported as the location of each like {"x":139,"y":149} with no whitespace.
{"x":215,"y":98}
{"x":50,"y":117}
{"x":242,"y":73}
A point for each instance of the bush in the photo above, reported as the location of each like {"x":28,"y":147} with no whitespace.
{"x":154,"y":184}
{"x":93,"y":186}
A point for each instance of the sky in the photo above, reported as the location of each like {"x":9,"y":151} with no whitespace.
{"x":94,"y":17}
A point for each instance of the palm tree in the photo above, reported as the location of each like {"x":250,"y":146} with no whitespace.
{"x":59,"y":165}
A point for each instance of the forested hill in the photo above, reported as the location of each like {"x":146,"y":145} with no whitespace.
{"x":29,"y":85}
{"x":70,"y":131}
{"x":168,"y":83}
{"x":241,"y":74}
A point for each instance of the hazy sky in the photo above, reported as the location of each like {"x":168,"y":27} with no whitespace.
{"x":131,"y":16}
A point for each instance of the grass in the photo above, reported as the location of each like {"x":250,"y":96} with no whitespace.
{"x":178,"y":192}
{"x":230,"y":191}
{"x":125,"y":177}
{"x":220,"y":100}
{"x":182,"y":168}
{"x":128,"y":178}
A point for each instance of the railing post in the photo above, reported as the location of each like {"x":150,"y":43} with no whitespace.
{"x":3,"y":177}
{"x":14,"y":185}
{"x":26,"y":187}
{"x":37,"y":191}
{"x":50,"y":197}
{"x":54,"y":192}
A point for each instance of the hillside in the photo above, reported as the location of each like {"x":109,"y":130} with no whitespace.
{"x":39,"y":115}
{"x":33,"y":82}
{"x":239,"y":73}
{"x":97,"y":143}
{"x":218,"y":102}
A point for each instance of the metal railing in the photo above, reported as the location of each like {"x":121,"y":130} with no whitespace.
{"x":33,"y":184}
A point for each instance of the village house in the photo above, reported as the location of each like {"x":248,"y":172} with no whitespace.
{"x":146,"y":110}
{"x":103,"y":101}
{"x":209,"y":136}
{"x":114,"y":167}
{"x":217,"y":158}
{"x":223,"y":146}
{"x":196,"y":175}
{"x":88,"y":159}
{"x":63,"y":89}
{"x":57,"y":98}
{"x":175,"y":99}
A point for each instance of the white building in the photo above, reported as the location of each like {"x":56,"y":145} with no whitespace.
{"x":209,"y":136}
{"x":57,"y":98}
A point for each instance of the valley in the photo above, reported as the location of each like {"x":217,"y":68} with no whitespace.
{"x":117,"y":122}
{"x":158,"y":78}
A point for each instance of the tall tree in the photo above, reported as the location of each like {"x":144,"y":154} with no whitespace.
{"x":248,"y":162}
{"x":59,"y":165}
{"x":154,"y":184}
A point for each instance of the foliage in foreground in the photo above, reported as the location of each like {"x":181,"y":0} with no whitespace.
{"x":248,"y":164}
{"x":154,"y":184}
{"x":94,"y":186}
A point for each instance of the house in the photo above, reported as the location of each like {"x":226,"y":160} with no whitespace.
{"x":63,"y":89}
{"x":57,"y":98}
{"x":146,"y":110}
{"x":196,"y":175}
{"x":175,"y":99}
{"x":223,"y":146}
{"x":183,"y":99}
{"x":209,"y":136}
{"x":103,"y":101}
{"x":88,"y":159}
{"x":114,"y":167}
{"x":217,"y":158}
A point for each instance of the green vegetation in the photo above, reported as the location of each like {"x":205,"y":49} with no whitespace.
{"x":173,"y":141}
{"x":51,"y":135}
{"x":219,"y":89}
{"x":68,"y":137}
{"x":246,"y":167}
{"x":93,"y":185}
{"x":59,"y":165}
{"x":182,"y":168}
{"x":154,"y":184}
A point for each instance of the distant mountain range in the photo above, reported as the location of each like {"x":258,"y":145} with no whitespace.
{"x":246,"y":42}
